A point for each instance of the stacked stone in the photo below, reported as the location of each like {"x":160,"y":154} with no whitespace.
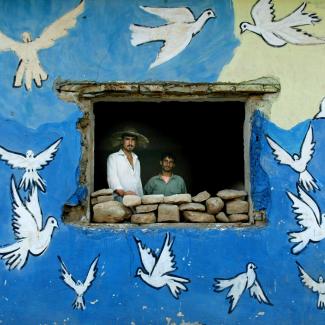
{"x":105,"y":209}
{"x":236,"y":207}
{"x":228,"y":206}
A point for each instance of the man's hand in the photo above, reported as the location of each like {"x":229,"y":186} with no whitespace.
{"x":122,"y":192}
{"x":130,"y":193}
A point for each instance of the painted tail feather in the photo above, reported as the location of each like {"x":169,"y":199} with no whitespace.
{"x":300,"y":240}
{"x":308,"y":181}
{"x":222,"y":284}
{"x":31,"y":178}
{"x":15,"y":256}
{"x":79,"y":303}
{"x":175,"y":285}
{"x":142,"y":34}
{"x":320,"y":303}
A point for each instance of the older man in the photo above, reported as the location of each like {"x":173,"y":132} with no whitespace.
{"x":123,"y":166}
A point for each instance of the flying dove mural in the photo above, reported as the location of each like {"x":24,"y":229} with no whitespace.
{"x":298,"y":162}
{"x":31,"y":164}
{"x":309,"y":217}
{"x":29,"y":67}
{"x":27,"y":224}
{"x":321,"y":112}
{"x":79,"y":287}
{"x":156,"y":271}
{"x":279,"y":32}
{"x":238,"y":284}
{"x":316,"y":286}
{"x":176,"y":34}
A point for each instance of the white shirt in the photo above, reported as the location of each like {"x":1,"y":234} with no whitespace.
{"x":121,"y":175}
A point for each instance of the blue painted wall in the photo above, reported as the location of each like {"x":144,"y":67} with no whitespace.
{"x":99,"y":49}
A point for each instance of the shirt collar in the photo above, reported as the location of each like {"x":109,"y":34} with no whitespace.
{"x":121,"y":152}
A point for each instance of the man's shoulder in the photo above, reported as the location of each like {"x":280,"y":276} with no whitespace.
{"x":180,"y":178}
{"x":115,"y":154}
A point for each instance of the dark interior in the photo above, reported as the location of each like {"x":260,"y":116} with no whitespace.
{"x":206,"y":138}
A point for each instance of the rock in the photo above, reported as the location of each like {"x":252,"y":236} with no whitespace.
{"x":146,"y":208}
{"x":131,"y":200}
{"x":214,"y":205}
{"x":168,"y":213}
{"x":231,"y":194}
{"x":192,"y":216}
{"x":238,"y":217}
{"x":100,"y":199}
{"x":104,"y":191}
{"x":111,"y":212}
{"x":178,"y":198}
{"x":202,"y":196}
{"x":192,"y":207}
{"x":235,"y":207}
{"x":143,"y":218}
{"x":152,"y":199}
{"x":222,"y":217}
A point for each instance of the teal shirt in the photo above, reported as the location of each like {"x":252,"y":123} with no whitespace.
{"x":156,"y":185}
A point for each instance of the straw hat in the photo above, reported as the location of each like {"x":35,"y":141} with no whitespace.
{"x":117,"y":137}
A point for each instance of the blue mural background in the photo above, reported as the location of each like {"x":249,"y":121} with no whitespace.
{"x":99,"y":49}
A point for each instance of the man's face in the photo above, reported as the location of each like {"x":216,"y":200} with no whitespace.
{"x":167,"y":164}
{"x":129,"y":143}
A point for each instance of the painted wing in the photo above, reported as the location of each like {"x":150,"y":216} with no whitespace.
{"x":7,"y":44}
{"x":238,"y":286}
{"x":173,"y":45}
{"x":59,"y":28}
{"x":298,"y":36}
{"x":308,"y":281}
{"x":23,"y":222}
{"x":172,"y":15}
{"x":305,"y":215}
{"x":165,"y":262}
{"x":311,"y":203}
{"x":280,"y":154}
{"x":307,"y":147}
{"x":263,"y":12}
{"x":66,"y":276}
{"x":15,"y":160}
{"x":257,"y":292}
{"x":91,"y":274}
{"x":148,"y":258}
{"x":299,"y":18}
{"x":43,"y":158}
{"x":32,"y":204}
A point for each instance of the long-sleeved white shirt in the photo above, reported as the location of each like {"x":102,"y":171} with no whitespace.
{"x":121,"y":175}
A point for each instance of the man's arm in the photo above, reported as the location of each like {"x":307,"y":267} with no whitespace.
{"x":148,"y":187}
{"x":184,"y":190}
{"x":112,"y":177}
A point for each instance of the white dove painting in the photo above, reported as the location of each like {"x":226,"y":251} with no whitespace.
{"x":298,"y":162}
{"x":176,"y":34}
{"x":30,"y":163}
{"x":238,"y":284}
{"x":321,"y":112}
{"x":279,"y":32}
{"x":79,"y":287}
{"x":29,"y":67}
{"x":27,"y":223}
{"x":156,"y":270}
{"x":316,"y":286}
{"x":308,"y":217}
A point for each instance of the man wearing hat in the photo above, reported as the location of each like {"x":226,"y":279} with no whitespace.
{"x":123,"y":166}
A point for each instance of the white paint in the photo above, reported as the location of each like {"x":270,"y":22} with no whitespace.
{"x":308,"y":217}
{"x":157,"y":271}
{"x":29,"y":68}
{"x":316,"y":286}
{"x":79,"y":287}
{"x":298,"y":162}
{"x":176,"y":34}
{"x":31,"y":164}
{"x":240,"y":283}
{"x":94,"y":302}
{"x":321,"y":113}
{"x":279,"y":32}
{"x":27,"y":223}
